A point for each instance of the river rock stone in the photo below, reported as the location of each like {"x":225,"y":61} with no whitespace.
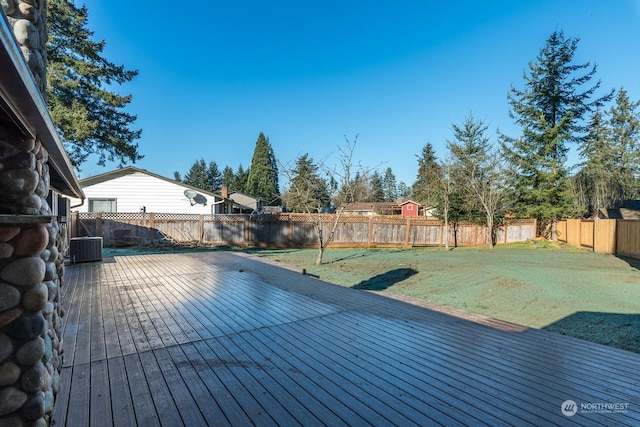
{"x":9,"y":373}
{"x":26,"y":34}
{"x":6,"y":250}
{"x":41,"y":189}
{"x":29,"y":12}
{"x":6,"y":346}
{"x":6,"y":317}
{"x":31,"y":203}
{"x":51,"y":271}
{"x":24,"y":271}
{"x":8,"y":6}
{"x":8,"y":233}
{"x":48,"y":401}
{"x":8,"y":296}
{"x":12,"y":422}
{"x":31,"y":352}
{"x":53,"y":254}
{"x":32,"y":241}
{"x":52,"y":289}
{"x":22,"y":160}
{"x":19,"y":181}
{"x":48,"y":349}
{"x":34,"y":407}
{"x":11,"y":399}
{"x":35,"y":299}
{"x":27,"y":327}
{"x":34,"y":379}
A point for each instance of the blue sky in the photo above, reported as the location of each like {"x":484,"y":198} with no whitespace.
{"x":215,"y":74}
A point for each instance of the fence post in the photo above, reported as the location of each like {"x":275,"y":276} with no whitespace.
{"x":407,"y":234}
{"x":74,"y":224}
{"x":370,"y":233}
{"x":152,"y":225}
{"x":99,"y":225}
{"x":290,"y":223}
{"x":201,"y":230}
{"x":246,"y":229}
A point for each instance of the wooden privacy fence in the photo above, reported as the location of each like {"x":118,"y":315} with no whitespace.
{"x":609,"y":236}
{"x":287,"y":230}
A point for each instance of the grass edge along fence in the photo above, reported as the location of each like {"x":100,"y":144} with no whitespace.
{"x":287,"y":230}
{"x":608,"y":236}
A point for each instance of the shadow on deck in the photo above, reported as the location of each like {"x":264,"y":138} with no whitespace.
{"x":219,"y":338}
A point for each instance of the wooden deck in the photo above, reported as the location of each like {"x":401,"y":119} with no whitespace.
{"x":222,"y":339}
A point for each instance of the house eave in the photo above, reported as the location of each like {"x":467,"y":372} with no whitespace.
{"x":22,"y":104}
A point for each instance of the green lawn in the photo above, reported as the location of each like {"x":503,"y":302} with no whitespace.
{"x":578,"y":293}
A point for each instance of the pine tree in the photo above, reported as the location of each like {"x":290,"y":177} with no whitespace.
{"x":228,"y":178}
{"x":550,"y":111}
{"x":424,"y":189}
{"x":376,"y":189}
{"x":404,"y":191}
{"x":625,"y":134}
{"x":240,"y":180}
{"x":213,"y":178}
{"x":197,"y":175}
{"x":262,"y":181}
{"x":478,"y":173}
{"x":596,"y":179}
{"x":90,"y":117}
{"x":307,"y":190}
{"x":389,"y":186}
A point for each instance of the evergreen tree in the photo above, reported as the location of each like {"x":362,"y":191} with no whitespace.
{"x":240,"y":180}
{"x":228,"y":178}
{"x":428,"y":179}
{"x":595,"y":183}
{"x":307,"y":191}
{"x":404,"y":191}
{"x":90,"y":117}
{"x":262,"y":181}
{"x":550,"y":111}
{"x":213,"y":178}
{"x":376,"y":190}
{"x":177,"y":176}
{"x":389,"y":186}
{"x":625,"y":134}
{"x":197,"y":175}
{"x":477,"y":171}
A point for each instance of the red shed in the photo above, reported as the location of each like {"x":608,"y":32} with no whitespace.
{"x":410,"y":208}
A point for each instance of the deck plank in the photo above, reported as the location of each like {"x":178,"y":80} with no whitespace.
{"x":100,"y":400}
{"x":223,"y":339}
{"x":121,"y":403}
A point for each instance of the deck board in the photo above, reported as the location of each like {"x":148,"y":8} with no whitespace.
{"x":223,"y":339}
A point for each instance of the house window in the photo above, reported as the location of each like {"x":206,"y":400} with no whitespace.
{"x":102,"y":205}
{"x":409,"y":207}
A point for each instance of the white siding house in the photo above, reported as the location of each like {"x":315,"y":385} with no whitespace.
{"x":136,"y":190}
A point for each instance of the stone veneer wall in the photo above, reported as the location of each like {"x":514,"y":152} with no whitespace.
{"x":32,"y":244}
{"x":28,"y":19}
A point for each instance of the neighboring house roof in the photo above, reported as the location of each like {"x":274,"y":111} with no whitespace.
{"x":628,"y":209}
{"x":22,"y":104}
{"x":617,"y":213}
{"x":370,"y":207}
{"x":128,"y":170}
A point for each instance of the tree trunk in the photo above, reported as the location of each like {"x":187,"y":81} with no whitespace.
{"x":446,"y":229}
{"x":320,"y":254}
{"x":490,"y":231}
